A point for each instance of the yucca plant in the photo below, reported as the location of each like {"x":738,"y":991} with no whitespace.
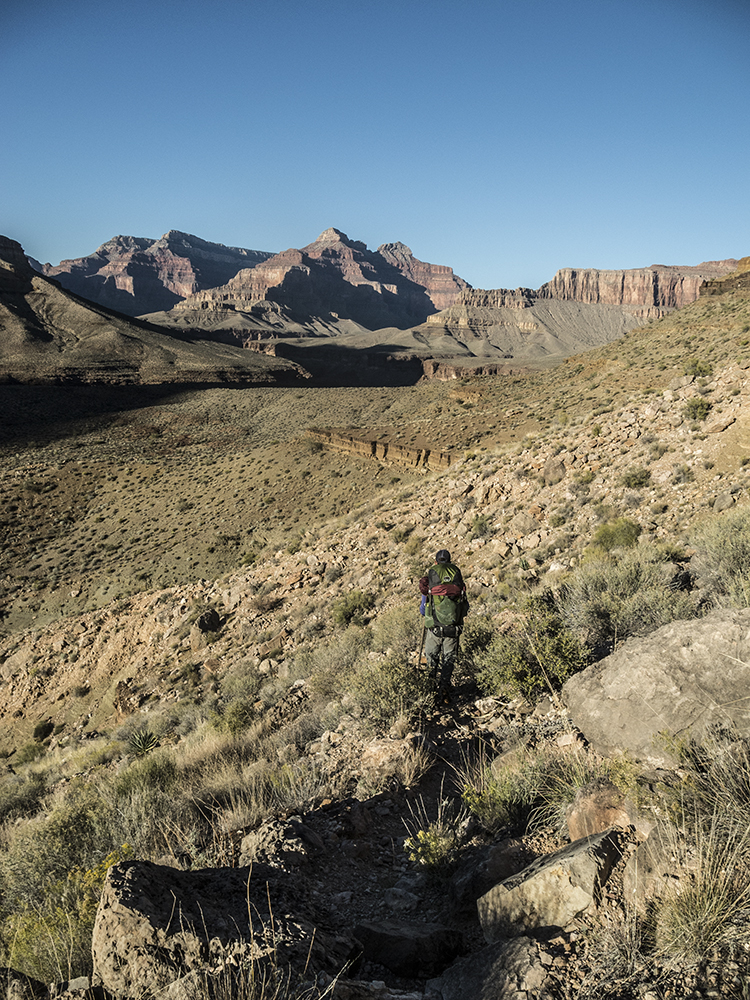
{"x":141,"y":742}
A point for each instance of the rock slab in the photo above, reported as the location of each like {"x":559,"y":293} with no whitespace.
{"x":156,"y":924}
{"x":554,"y":890}
{"x":684,"y":677}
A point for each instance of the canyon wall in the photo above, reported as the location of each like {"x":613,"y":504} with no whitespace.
{"x":339,"y":278}
{"x":136,"y":275}
{"x":658,"y":286}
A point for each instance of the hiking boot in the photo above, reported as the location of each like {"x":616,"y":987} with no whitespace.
{"x":444,"y":694}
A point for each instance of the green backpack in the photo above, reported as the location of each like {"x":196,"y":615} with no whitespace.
{"x":446,"y":603}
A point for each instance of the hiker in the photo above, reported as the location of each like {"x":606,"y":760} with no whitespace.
{"x":444,"y":605}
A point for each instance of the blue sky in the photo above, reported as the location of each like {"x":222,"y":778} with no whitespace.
{"x":505,"y":139}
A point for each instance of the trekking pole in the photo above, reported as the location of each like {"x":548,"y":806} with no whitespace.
{"x":421,"y":647}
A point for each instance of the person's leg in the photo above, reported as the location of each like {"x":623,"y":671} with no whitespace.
{"x":432,"y":646}
{"x":450,"y":651}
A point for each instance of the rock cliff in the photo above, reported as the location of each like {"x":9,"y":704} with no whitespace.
{"x":136,"y":275}
{"x":661,"y":286}
{"x":50,"y":335}
{"x":337,"y":278}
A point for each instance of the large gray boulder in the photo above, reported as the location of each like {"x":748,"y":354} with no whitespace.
{"x":554,"y":890}
{"x":156,"y":924}
{"x":684,"y":677}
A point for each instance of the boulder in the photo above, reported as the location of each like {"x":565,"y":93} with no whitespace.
{"x":554,"y":890}
{"x":684,"y":677}
{"x":156,"y":924}
{"x":509,"y":970}
{"x":599,"y":806}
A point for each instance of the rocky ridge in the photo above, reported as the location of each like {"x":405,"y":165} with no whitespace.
{"x":331,"y":279}
{"x":137,"y":275}
{"x":51,"y":335}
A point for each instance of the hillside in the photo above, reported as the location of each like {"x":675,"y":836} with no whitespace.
{"x":198,"y":568}
{"x":48,"y":335}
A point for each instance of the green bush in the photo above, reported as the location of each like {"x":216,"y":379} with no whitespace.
{"x":538,"y":654}
{"x":698,"y":367}
{"x":480,"y":527}
{"x":433,"y":843}
{"x":696,"y":408}
{"x":722,"y":558}
{"x":703,"y":908}
{"x":633,"y":479}
{"x":499,"y":798}
{"x":352,"y":608}
{"x":611,"y":597}
{"x":622,"y":533}
{"x":388,"y":688}
{"x":51,"y":940}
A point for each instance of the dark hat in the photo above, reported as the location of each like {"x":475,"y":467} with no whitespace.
{"x":443,"y":556}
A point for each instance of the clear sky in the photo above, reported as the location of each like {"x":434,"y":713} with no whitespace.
{"x":505,"y":139}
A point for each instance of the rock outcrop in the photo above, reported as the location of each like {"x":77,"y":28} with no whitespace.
{"x":659,"y":286}
{"x":50,"y":335}
{"x":136,"y":275}
{"x":155,"y":924}
{"x":736,"y":281}
{"x":682,"y":678}
{"x":333,"y":278}
{"x":577,"y":310}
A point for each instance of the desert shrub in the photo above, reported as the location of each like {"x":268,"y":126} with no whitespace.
{"x":696,"y":408}
{"x":52,"y":940}
{"x":477,"y":634}
{"x":634,"y":479}
{"x":352,"y":608}
{"x":241,"y":681}
{"x":433,"y":843}
{"x":237,"y":716}
{"x":682,"y":474}
{"x":157,"y":770}
{"x":700,"y":913}
{"x":722,"y":558}
{"x":498,"y":798}
{"x":328,"y":665}
{"x":557,"y":778}
{"x":397,"y":629}
{"x":611,"y":597}
{"x":20,"y":795}
{"x":29,"y":752}
{"x":537,"y":654}
{"x":480,"y":527}
{"x":533,"y":789}
{"x":43,"y":850}
{"x":384,"y":689}
{"x":622,"y":533}
{"x":698,"y":367}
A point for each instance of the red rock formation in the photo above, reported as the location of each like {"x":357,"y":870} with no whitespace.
{"x":339,"y":277}
{"x":138,"y":276}
{"x":661,"y":286}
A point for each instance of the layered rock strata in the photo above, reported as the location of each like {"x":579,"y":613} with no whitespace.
{"x":49,"y":335}
{"x":383,"y":451}
{"x":337,"y":278}
{"x":659,"y":286}
{"x":137,"y":275}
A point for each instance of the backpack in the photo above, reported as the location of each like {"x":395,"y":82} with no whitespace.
{"x":446,"y":600}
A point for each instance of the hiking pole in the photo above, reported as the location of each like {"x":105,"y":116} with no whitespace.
{"x":421,"y":647}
